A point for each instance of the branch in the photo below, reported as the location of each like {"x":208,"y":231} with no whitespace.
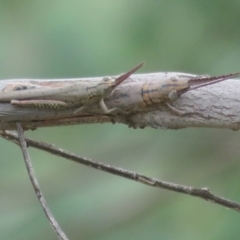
{"x":202,"y":193}
{"x":215,"y":106}
{"x":61,"y":235}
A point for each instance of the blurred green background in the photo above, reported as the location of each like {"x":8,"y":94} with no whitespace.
{"x":67,"y":39}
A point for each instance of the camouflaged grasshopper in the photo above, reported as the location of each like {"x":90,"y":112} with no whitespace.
{"x":171,"y":88}
{"x":71,"y":95}
{"x":78,"y":95}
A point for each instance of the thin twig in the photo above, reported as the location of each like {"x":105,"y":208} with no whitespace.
{"x":203,"y":193}
{"x":61,"y":235}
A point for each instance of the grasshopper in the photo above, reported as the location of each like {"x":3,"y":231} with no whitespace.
{"x":170,"y":89}
{"x":68,"y":96}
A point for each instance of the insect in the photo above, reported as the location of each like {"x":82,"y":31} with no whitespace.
{"x":71,"y":95}
{"x":171,"y":88}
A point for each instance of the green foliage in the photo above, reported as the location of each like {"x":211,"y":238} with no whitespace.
{"x":65,"y":39}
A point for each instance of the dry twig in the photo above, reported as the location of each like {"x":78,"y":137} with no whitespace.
{"x":202,"y":193}
{"x":61,"y":235}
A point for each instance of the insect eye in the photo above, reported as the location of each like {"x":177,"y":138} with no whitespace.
{"x":174,"y":78}
{"x":107,"y":79}
{"x":173,"y":95}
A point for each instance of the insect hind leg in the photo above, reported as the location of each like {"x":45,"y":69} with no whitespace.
{"x":40,"y":104}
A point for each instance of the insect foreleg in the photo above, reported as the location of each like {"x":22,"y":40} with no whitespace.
{"x":102,"y":106}
{"x":175,"y":110}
